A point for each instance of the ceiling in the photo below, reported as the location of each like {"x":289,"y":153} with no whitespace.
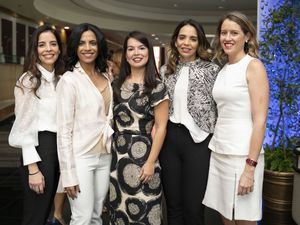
{"x":117,"y":17}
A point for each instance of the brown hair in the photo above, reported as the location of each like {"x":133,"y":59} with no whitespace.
{"x":203,"y":45}
{"x":117,"y":57}
{"x":32,"y":58}
{"x":251,"y":47}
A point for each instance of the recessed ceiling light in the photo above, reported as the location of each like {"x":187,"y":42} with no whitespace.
{"x":221,"y":7}
{"x":175,"y":5}
{"x":67,"y":28}
{"x":152,"y":35}
{"x":156,"y":38}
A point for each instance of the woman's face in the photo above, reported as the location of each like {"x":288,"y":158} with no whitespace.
{"x":187,"y":43}
{"x":87,"y":50}
{"x":232,"y":38}
{"x":137,"y":54}
{"x":48,"y":50}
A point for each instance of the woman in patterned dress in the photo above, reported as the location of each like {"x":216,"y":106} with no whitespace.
{"x":140,"y":102}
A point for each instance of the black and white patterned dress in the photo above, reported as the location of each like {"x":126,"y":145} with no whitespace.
{"x":130,"y":201}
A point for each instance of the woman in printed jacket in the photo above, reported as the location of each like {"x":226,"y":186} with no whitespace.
{"x":189,"y":76}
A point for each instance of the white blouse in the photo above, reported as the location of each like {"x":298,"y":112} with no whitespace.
{"x":81,"y":119}
{"x":33,"y":114}
{"x":181,"y":114}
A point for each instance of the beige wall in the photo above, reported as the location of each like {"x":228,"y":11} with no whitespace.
{"x":9,"y":73}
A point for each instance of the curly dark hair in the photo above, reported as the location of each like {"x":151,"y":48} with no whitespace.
{"x":73,"y":43}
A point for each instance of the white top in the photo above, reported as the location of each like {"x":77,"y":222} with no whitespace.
{"x":33,"y":114}
{"x":181,"y":114}
{"x":81,"y":120}
{"x":234,"y":124}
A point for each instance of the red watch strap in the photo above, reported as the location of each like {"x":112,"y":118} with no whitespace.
{"x":251,"y":162}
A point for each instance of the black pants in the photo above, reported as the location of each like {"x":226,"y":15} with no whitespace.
{"x":36,"y":207}
{"x":185,"y":167}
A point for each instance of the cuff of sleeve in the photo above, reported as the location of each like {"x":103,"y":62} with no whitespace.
{"x":30,"y":155}
{"x":69,"y":178}
{"x":157,"y":103}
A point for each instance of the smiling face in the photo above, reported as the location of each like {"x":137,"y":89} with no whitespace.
{"x":187,"y":43}
{"x":137,"y":54}
{"x":232,"y":39}
{"x":87,"y":50}
{"x":48,"y":50}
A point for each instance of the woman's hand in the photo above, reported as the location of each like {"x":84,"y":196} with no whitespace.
{"x":37,"y":182}
{"x":72,"y":191}
{"x":246,"y":183}
{"x":147,"y":172}
{"x":36,"y":179}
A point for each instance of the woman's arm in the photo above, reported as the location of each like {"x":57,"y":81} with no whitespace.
{"x":161,"y":112}
{"x":24,"y":133}
{"x":66,"y":101}
{"x":259,"y":97}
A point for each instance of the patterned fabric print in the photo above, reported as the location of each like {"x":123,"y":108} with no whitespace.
{"x":130,"y":201}
{"x":201,"y":106}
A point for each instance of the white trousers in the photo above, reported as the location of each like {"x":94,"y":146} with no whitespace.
{"x":93,"y":174}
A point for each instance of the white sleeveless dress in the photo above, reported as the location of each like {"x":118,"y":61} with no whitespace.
{"x":230,"y":146}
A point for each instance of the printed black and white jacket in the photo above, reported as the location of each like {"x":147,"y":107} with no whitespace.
{"x":200,"y":103}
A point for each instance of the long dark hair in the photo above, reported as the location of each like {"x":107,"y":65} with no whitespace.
{"x":203,"y":45}
{"x":73,"y":43}
{"x":32,"y":58}
{"x":151,"y":73}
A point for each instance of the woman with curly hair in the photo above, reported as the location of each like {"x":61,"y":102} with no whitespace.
{"x":84,"y":124}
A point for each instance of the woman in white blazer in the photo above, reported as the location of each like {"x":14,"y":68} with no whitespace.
{"x":84,"y":118}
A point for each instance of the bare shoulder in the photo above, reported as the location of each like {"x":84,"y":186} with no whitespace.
{"x":256,"y":69}
{"x":256,"y":65}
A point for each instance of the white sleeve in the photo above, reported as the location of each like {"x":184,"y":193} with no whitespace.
{"x":24,"y":133}
{"x":66,"y":100}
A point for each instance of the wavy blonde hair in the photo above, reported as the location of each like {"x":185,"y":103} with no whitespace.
{"x":251,"y":47}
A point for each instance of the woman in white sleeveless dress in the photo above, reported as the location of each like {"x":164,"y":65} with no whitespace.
{"x":241,"y":92}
